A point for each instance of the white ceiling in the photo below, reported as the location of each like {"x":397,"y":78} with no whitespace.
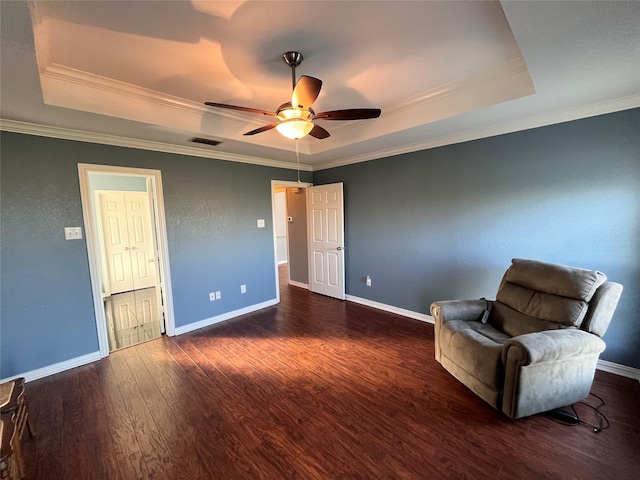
{"x":137,"y":73}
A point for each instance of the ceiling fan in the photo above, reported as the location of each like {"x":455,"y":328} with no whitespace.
{"x":295,"y":118}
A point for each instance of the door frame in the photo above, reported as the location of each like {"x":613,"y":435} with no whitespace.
{"x":274,"y":184}
{"x":93,"y":248}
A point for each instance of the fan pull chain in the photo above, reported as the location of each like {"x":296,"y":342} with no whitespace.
{"x":298,"y":158}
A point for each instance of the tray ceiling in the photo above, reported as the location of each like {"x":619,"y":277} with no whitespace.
{"x":138,"y":72}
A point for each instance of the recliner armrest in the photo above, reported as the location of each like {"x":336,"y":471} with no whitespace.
{"x":548,"y":369}
{"x":550,"y":345}
{"x":466,"y":310}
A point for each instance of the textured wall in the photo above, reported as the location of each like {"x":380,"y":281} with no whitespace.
{"x":444,"y":223}
{"x":211,"y":207}
{"x":46,"y":309}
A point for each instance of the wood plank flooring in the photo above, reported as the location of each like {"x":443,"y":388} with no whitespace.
{"x":313,"y":388}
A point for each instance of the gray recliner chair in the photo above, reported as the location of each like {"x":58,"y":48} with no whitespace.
{"x":535,"y":348}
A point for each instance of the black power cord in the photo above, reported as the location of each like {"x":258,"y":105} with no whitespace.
{"x":573,"y":420}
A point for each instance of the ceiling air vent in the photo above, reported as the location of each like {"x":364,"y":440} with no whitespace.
{"x":206,"y":141}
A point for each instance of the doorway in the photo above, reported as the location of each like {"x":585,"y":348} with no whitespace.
{"x":123,"y":213}
{"x":290,"y":232}
{"x":315,"y":255}
{"x":131,"y":284}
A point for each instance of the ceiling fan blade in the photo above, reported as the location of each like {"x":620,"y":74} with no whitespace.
{"x":349,"y":114}
{"x":242,"y":109}
{"x":262,"y":129}
{"x":306,"y":91}
{"x":318,"y":132}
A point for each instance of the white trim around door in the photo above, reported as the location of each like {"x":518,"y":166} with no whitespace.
{"x":94,"y":253}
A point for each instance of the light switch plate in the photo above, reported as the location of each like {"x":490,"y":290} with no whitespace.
{"x":73,"y":233}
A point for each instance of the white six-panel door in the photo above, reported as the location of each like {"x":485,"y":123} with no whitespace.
{"x":141,"y":240}
{"x":325,"y":216}
{"x":128,"y":241}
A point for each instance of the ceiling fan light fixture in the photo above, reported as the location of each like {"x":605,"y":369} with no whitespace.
{"x":296,"y":117}
{"x":295,"y":128}
{"x":289,"y":112}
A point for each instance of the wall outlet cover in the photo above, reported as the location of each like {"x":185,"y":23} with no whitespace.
{"x":73,"y":233}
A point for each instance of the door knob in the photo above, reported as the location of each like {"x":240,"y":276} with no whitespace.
{"x":133,"y":248}
{"x":126,"y":248}
{"x":339,"y":248}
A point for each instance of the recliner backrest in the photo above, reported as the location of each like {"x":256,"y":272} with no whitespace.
{"x":535,"y":296}
{"x":601,"y":308}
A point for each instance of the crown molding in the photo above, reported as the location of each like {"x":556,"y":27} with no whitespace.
{"x":72,"y":88}
{"x":561,"y":116}
{"x":82,"y":136}
{"x":542,"y":120}
{"x":68,"y":87}
{"x":103,"y":84}
{"x":501,"y":83}
{"x":469,"y":84}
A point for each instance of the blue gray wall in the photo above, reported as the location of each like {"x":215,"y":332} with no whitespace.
{"x":445,"y":223}
{"x":46,"y":309}
{"x":431,"y":225}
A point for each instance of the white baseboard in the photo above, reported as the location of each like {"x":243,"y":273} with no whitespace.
{"x":618,"y":369}
{"x":225,"y":316}
{"x":391,"y":309}
{"x":56,"y":367}
{"x":299,"y":284}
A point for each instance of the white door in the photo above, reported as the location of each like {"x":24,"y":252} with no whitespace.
{"x":325,"y":217}
{"x":141,"y":245}
{"x":128,"y":241}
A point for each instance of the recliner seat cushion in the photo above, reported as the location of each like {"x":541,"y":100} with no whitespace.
{"x":477,"y":348}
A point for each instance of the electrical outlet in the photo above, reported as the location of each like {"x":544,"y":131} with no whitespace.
{"x":212,"y":296}
{"x":243,"y":289}
{"x":368,"y":281}
{"x":72,"y":233}
{"x":261,"y":223}
{"x":218,"y":295}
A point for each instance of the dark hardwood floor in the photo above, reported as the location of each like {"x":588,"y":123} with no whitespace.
{"x":313,"y":388}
